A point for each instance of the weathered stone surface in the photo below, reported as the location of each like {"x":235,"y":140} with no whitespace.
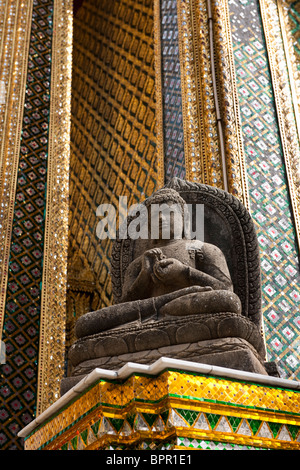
{"x":174,"y":277}
{"x":181,"y":298}
{"x":227,"y":226}
{"x":114,"y":344}
{"x":234,"y":353}
{"x":156,"y":334}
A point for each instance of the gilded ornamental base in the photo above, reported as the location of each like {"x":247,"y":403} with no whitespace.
{"x":171,"y":405}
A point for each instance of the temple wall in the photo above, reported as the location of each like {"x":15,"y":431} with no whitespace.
{"x":113,"y":131}
{"x":145,"y":105}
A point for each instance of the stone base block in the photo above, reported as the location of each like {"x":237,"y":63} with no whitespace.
{"x":234,"y":353}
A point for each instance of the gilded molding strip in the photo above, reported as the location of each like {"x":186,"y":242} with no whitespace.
{"x":176,"y":427}
{"x":83,"y":391}
{"x":9,"y":39}
{"x":294,"y":77}
{"x":235,"y":155}
{"x":291,"y":70}
{"x":53,"y":298}
{"x":290,"y":31}
{"x":193,"y":79}
{"x":202,"y":142}
{"x":284,"y":103}
{"x":15,"y":35}
{"x":158,"y":94}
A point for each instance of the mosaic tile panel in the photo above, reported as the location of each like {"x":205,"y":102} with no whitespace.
{"x":188,"y":443}
{"x":268,"y":191}
{"x":21,"y":321}
{"x":15,"y":21}
{"x":290,"y":21}
{"x":280,"y":54}
{"x":294,"y":16}
{"x":175,"y":410}
{"x":113,"y":129}
{"x":171,"y":91}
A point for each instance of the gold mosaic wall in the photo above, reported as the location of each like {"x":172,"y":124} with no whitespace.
{"x":113,"y":131}
{"x":175,"y":410}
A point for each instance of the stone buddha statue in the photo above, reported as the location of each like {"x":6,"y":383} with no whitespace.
{"x":172,"y":277}
{"x":180,"y":297}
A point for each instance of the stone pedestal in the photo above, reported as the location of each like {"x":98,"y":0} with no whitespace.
{"x":224,"y":339}
{"x":171,"y":404}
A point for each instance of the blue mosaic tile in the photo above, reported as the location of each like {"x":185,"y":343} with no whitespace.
{"x":171,"y":91}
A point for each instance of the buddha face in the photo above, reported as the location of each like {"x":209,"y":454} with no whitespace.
{"x":165,"y":221}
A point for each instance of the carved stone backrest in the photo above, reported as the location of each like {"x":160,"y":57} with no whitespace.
{"x":229,"y":226}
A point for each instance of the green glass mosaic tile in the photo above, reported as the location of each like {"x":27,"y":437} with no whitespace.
{"x":84,"y":436}
{"x":165,"y":416}
{"x":74,"y":442}
{"x":150,"y":418}
{"x":268,"y":189}
{"x":116,"y":423}
{"x":131,"y":419}
{"x":189,"y":415}
{"x":95,"y":427}
{"x":254,"y":425}
{"x":212,"y":419}
{"x":234,"y":422}
{"x":293,"y":430}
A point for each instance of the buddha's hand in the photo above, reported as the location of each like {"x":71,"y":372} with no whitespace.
{"x":151,"y":257}
{"x":169,"y":270}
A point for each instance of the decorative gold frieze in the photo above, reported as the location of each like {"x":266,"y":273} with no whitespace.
{"x":229,"y":104}
{"x":176,"y":409}
{"x":213,"y":142}
{"x":54,"y":281}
